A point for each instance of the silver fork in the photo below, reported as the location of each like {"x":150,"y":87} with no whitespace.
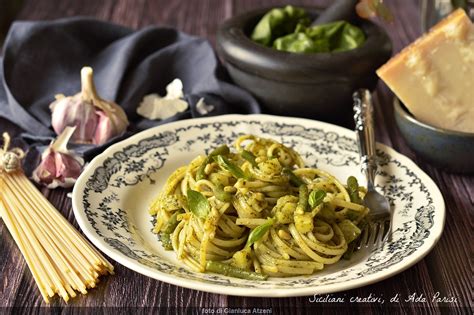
{"x":379,"y":228}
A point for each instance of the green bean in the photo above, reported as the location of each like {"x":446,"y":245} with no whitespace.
{"x":165,"y":236}
{"x":316,"y":197}
{"x":349,"y":230}
{"x":352,"y":214}
{"x":350,"y":251}
{"x":303,"y":198}
{"x":226,"y":165}
{"x":249,"y":157}
{"x":294,"y":180}
{"x":327,"y":213}
{"x":352,"y":247}
{"x":221,"y":194}
{"x":353,"y":189}
{"x":231,"y":271}
{"x":222,"y":150}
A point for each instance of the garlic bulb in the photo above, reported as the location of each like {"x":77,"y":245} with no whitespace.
{"x":59,"y":166}
{"x":96,"y":120}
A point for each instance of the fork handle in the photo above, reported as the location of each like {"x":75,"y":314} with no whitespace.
{"x":364,"y":127}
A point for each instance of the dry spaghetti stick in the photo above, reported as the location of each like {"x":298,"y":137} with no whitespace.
{"x":52,"y":246}
{"x":51,"y":210}
{"x":70,"y":291}
{"x":26,"y":245}
{"x":79,"y":241}
{"x":65,"y":269}
{"x":37,"y":274}
{"x":65,"y":282}
{"x":69,"y":252}
{"x":36,"y":260}
{"x":42,"y":234}
{"x":39,"y":250}
{"x":66,"y":227}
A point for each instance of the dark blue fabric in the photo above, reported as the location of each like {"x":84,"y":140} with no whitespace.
{"x":42,"y":59}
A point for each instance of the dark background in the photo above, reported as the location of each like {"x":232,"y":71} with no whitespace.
{"x":447,"y":269}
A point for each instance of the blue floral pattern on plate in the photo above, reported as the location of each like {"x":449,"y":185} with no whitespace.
{"x":98,"y":204}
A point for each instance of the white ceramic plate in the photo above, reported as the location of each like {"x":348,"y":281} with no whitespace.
{"x":111,"y":200}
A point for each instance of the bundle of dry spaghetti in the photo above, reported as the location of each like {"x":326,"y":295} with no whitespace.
{"x":60,"y":259}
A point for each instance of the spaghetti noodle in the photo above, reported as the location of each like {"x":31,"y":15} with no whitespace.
{"x":60,"y":259}
{"x":258,"y":212}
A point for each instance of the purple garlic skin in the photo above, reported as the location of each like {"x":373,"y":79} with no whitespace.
{"x":57,"y":169}
{"x":67,"y":167}
{"x":72,"y":111}
{"x":46,"y":171}
{"x":59,"y":166}
{"x":104,"y":130}
{"x":95,"y":119}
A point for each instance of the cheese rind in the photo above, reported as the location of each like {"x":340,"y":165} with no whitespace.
{"x":434,"y":76}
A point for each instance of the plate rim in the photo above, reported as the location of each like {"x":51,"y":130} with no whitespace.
{"x":77,"y":197}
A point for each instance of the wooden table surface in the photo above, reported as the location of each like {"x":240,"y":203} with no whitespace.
{"x":447,"y":269}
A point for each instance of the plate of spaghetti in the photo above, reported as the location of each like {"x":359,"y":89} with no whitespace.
{"x":253,"y":205}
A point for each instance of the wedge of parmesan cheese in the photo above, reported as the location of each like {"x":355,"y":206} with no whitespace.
{"x":434,"y":76}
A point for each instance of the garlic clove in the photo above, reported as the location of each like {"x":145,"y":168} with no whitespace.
{"x":202,"y":108}
{"x":117,"y":117}
{"x":60,"y":144}
{"x":59,"y":166}
{"x":116,"y":114}
{"x":73,"y":112}
{"x":104,"y":130}
{"x":46,"y":172}
{"x":66,"y":167}
{"x":58,"y":170}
